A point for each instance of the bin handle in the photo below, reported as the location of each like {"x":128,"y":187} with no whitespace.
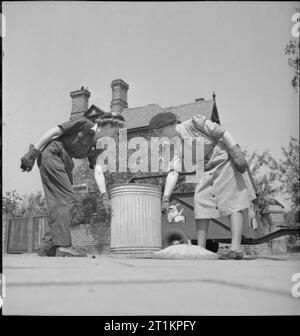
{"x":133,"y":179}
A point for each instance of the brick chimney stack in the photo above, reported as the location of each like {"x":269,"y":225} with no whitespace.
{"x":119,"y":95}
{"x":80,"y":102}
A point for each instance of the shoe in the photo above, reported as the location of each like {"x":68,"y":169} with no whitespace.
{"x":232,"y":255}
{"x":46,"y":252}
{"x":69,"y":252}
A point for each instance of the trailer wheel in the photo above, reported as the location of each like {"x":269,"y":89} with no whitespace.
{"x":212,"y":246}
{"x":175,"y":237}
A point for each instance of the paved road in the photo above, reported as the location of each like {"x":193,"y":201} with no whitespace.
{"x":118,"y":286}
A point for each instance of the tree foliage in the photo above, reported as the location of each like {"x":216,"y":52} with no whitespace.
{"x":273,"y":176}
{"x":11,"y":203}
{"x":292,"y":50}
{"x":34,"y":205}
{"x":265,"y":180}
{"x":288,"y":171}
{"x":15,"y":205}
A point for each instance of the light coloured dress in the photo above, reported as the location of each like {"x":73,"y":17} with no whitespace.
{"x":222,"y":190}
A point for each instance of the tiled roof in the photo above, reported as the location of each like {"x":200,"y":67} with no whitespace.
{"x":140,"y":116}
{"x":187,"y":111}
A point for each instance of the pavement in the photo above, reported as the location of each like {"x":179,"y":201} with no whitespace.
{"x":110,"y":286}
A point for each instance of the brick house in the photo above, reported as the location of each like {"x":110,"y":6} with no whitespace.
{"x":137,"y":120}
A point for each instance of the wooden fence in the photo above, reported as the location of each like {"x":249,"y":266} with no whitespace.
{"x":24,"y":234}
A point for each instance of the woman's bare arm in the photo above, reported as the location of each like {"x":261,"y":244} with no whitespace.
{"x":171,"y":181}
{"x":228,"y":140}
{"x":49,"y":135}
{"x":235,"y":152}
{"x":100,"y":178}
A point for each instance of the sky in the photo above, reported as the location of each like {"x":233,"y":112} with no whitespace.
{"x":168,"y":53}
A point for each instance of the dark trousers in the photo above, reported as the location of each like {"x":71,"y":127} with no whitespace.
{"x":56,"y":173}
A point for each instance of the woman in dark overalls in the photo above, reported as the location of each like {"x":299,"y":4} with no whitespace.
{"x":54,"y":151}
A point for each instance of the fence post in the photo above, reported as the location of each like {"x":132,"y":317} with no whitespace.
{"x":5,"y":224}
{"x":30,"y":233}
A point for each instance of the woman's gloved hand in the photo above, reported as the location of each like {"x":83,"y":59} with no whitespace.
{"x":165,"y":204}
{"x":106,"y":202}
{"x":238,"y":158}
{"x":91,"y":160}
{"x":28,"y":160}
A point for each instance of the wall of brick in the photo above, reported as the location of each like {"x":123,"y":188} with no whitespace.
{"x":249,"y":250}
{"x":277,"y":246}
{"x":276,"y":218}
{"x":258,"y":250}
{"x":94,"y":238}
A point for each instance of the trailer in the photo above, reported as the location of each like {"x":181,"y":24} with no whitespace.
{"x":219,"y":229}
